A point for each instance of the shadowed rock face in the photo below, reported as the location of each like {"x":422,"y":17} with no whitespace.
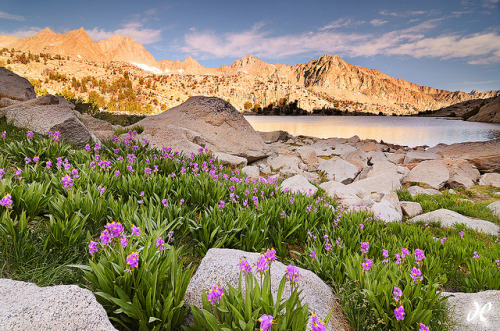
{"x":221,"y":125}
{"x":15,"y":87}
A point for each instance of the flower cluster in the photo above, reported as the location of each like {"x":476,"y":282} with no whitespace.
{"x":262,"y":264}
{"x":215,"y":294}
{"x":133,"y":260}
{"x":397,"y":293}
{"x":367,"y":264}
{"x":7,"y":201}
{"x":245,"y":266}
{"x":266,"y":322}
{"x":416,"y":274}
{"x":317,"y":324}
{"x":400,"y":313}
{"x":292,"y":274}
{"x":365,"y":246}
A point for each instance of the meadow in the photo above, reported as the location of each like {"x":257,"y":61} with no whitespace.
{"x":132,"y":223}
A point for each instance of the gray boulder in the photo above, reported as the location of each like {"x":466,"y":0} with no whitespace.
{"x":495,"y":208}
{"x":357,"y":157}
{"x":342,"y":149}
{"x":101,"y":129}
{"x":449,"y":218}
{"x":25,"y":306}
{"x":15,"y":87}
{"x":230,"y":160}
{"x":386,"y":211}
{"x":396,"y":158}
{"x":179,"y":139}
{"x":299,"y":184}
{"x":274,"y":136}
{"x":433,"y":173}
{"x":416,"y":190}
{"x":379,"y":183}
{"x":219,"y":267}
{"x":223,"y":127}
{"x":492,"y":179}
{"x":474,"y":311}
{"x":377,"y":157}
{"x":411,"y":209}
{"x":308,"y":155}
{"x":49,"y":113}
{"x":339,"y":170}
{"x":459,"y":181}
{"x":416,"y":156}
{"x":251,"y":171}
{"x":6,"y":102}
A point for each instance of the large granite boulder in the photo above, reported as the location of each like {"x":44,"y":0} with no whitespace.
{"x":495,"y":208}
{"x":339,"y":170}
{"x":449,"y":218}
{"x":474,"y":311}
{"x":484,"y":155}
{"x":411,"y":209}
{"x":101,"y":129}
{"x":179,"y":139}
{"x":417,"y":190}
{"x":299,"y":184}
{"x":386,"y":211}
{"x":230,"y":160}
{"x":15,"y":87}
{"x":433,"y":173}
{"x":490,"y":179}
{"x":274,"y":136}
{"x":25,"y":306}
{"x":220,"y":266}
{"x":49,"y":113}
{"x":417,"y":156}
{"x":221,"y":125}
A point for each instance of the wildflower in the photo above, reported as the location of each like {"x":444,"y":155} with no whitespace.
{"x":292,"y":274}
{"x":129,"y":168}
{"x":328,"y":246}
{"x":497,"y":261}
{"x":385,"y":253}
{"x":27,"y":160}
{"x":292,"y":199}
{"x":92,"y":247}
{"x":462,"y":234}
{"x":147,"y":171}
{"x":270,"y":255}
{"x":325,"y":237}
{"x":101,"y":189}
{"x":170,"y":236}
{"x":87,"y":148}
{"x":283,"y":214}
{"x":404,"y":252}
{"x":475,"y":255}
{"x":124,"y":241}
{"x":416,"y":274}
{"x":338,"y":242}
{"x":133,"y":260}
{"x":222,"y":204}
{"x":397,"y":293}
{"x":365,"y":246}
{"x":67,"y":181}
{"x":97,"y":147}
{"x":141,"y":194}
{"x":29,"y":134}
{"x":19,"y":172}
{"x":317,"y":324}
{"x":7,"y":201}
{"x":181,"y":202}
{"x":266,"y":322}
{"x":105,"y":237}
{"x":117,"y":173}
{"x":215,"y":294}
{"x":400,"y":313}
{"x":262,"y":264}
{"x":56,"y":136}
{"x":422,"y":327}
{"x":136,"y":231}
{"x":367,"y":264}
{"x":312,"y":254}
{"x":1,"y":173}
{"x":245,"y":266}
{"x":75,"y":174}
{"x":4,"y":134}
{"x":443,"y":240}
{"x":160,"y":243}
{"x":419,"y":255}
{"x":115,"y":229}
{"x":48,"y":164}
{"x":361,"y":226}
{"x":398,"y":258}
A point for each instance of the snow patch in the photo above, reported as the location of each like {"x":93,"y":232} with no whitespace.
{"x":79,"y":56}
{"x":148,"y":68}
{"x":180,"y":71}
{"x":167,"y":70}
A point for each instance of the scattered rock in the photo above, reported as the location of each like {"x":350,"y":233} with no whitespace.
{"x":101,"y":129}
{"x":386,"y":211}
{"x":251,"y":171}
{"x":495,"y":208}
{"x":380,"y":183}
{"x":342,"y":149}
{"x":338,"y":190}
{"x":449,"y":218}
{"x":414,"y":157}
{"x":474,"y":311}
{"x":432,"y":173}
{"x":299,"y":184}
{"x":15,"y":87}
{"x":490,"y":179}
{"x":395,"y":158}
{"x":339,"y":170}
{"x":179,"y":139}
{"x":378,"y":157}
{"x":274,"y":136}
{"x":411,"y":209}
{"x":358,"y":158}
{"x":6,"y":102}
{"x":416,"y":190}
{"x":221,"y":125}
{"x":230,"y":160}
{"x":289,"y":165}
{"x":353,"y":140}
{"x":458,"y":181}
{"x":219,"y":266}
{"x":308,"y":155}
{"x":25,"y":306}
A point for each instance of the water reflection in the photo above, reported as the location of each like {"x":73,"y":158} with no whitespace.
{"x":409,"y":131}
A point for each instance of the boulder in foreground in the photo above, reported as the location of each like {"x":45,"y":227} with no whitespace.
{"x":25,"y":306}
{"x":474,"y":311}
{"x":15,"y":87}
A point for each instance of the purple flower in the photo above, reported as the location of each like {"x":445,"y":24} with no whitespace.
{"x":400,"y":313}
{"x":147,"y":171}
{"x":262,"y":264}
{"x":67,"y":182}
{"x":317,"y":324}
{"x":245,"y":266}
{"x":101,"y":189}
{"x":133,"y":260}
{"x":114,"y":229}
{"x":170,"y":236}
{"x":124,"y":241}
{"x":136,"y":231}
{"x":19,"y":172}
{"x":27,"y":160}
{"x":397,"y":293}
{"x":160,"y":243}
{"x":422,"y":327}
{"x":29,"y":134}
{"x":181,"y":202}
{"x":328,"y":246}
{"x":87,"y":148}
{"x":419,"y":255}
{"x":4,"y":134}
{"x":416,"y":274}
{"x":75,"y":174}
{"x":367,"y":264}
{"x":462,"y":234}
{"x":164,"y":202}
{"x":385,"y":253}
{"x":292,"y":274}
{"x":365,"y":246}
{"x":443,"y":240}
{"x":266,"y":322}
{"x":361,"y":226}
{"x":222,"y":204}
{"x":215,"y":294}
{"x":312,"y":254}
{"x":7,"y":201}
{"x":105,"y":237}
{"x":270,"y":255}
{"x":92,"y":247}
{"x":404,"y":252}
{"x":1,"y":173}
{"x":48,"y":164}
{"x":475,"y":255}
{"x":117,"y":173}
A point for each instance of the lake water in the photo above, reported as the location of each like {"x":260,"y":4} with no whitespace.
{"x":407,"y":131}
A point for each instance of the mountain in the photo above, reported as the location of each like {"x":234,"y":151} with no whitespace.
{"x":328,"y":82}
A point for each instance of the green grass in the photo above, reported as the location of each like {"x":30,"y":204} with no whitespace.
{"x":137,"y":128}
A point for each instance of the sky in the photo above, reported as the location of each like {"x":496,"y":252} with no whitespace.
{"x":451,"y":45}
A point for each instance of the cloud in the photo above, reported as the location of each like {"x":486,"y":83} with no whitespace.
{"x":403,"y":14}
{"x":340,"y":23}
{"x":490,"y":4}
{"x":377,"y":22}
{"x":132,"y":29}
{"x":7,"y":16}
{"x":479,"y":48}
{"x":22,"y":32}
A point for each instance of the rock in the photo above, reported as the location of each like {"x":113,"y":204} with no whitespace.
{"x":287,"y":164}
{"x":458,"y":181}
{"x":308,"y":155}
{"x":416,"y":190}
{"x":380,"y":183}
{"x":449,"y":218}
{"x":395,"y":158}
{"x":465,"y":169}
{"x":49,"y":113}
{"x":179,"y":139}
{"x":484,"y":155}
{"x":378,"y":157}
{"x":223,"y":127}
{"x":230,"y":160}
{"x":432,"y":173}
{"x":274,"y":136}
{"x":219,"y":266}
{"x":490,"y":179}
{"x":495,"y":208}
{"x":15,"y":87}
{"x":411,"y":209}
{"x":6,"y":102}
{"x":353,"y":140}
{"x":342,"y":149}
{"x":299,"y":184}
{"x":251,"y":171}
{"x":338,"y":190}
{"x":101,"y":129}
{"x":357,"y":157}
{"x":474,"y":311}
{"x":386,"y":211}
{"x":415,"y":157}
{"x":339,"y":170}
{"x":26,"y":306}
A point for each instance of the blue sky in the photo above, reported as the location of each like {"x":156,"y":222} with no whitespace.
{"x":453,"y":45}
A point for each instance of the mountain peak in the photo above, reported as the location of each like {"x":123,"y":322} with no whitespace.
{"x":45,"y":32}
